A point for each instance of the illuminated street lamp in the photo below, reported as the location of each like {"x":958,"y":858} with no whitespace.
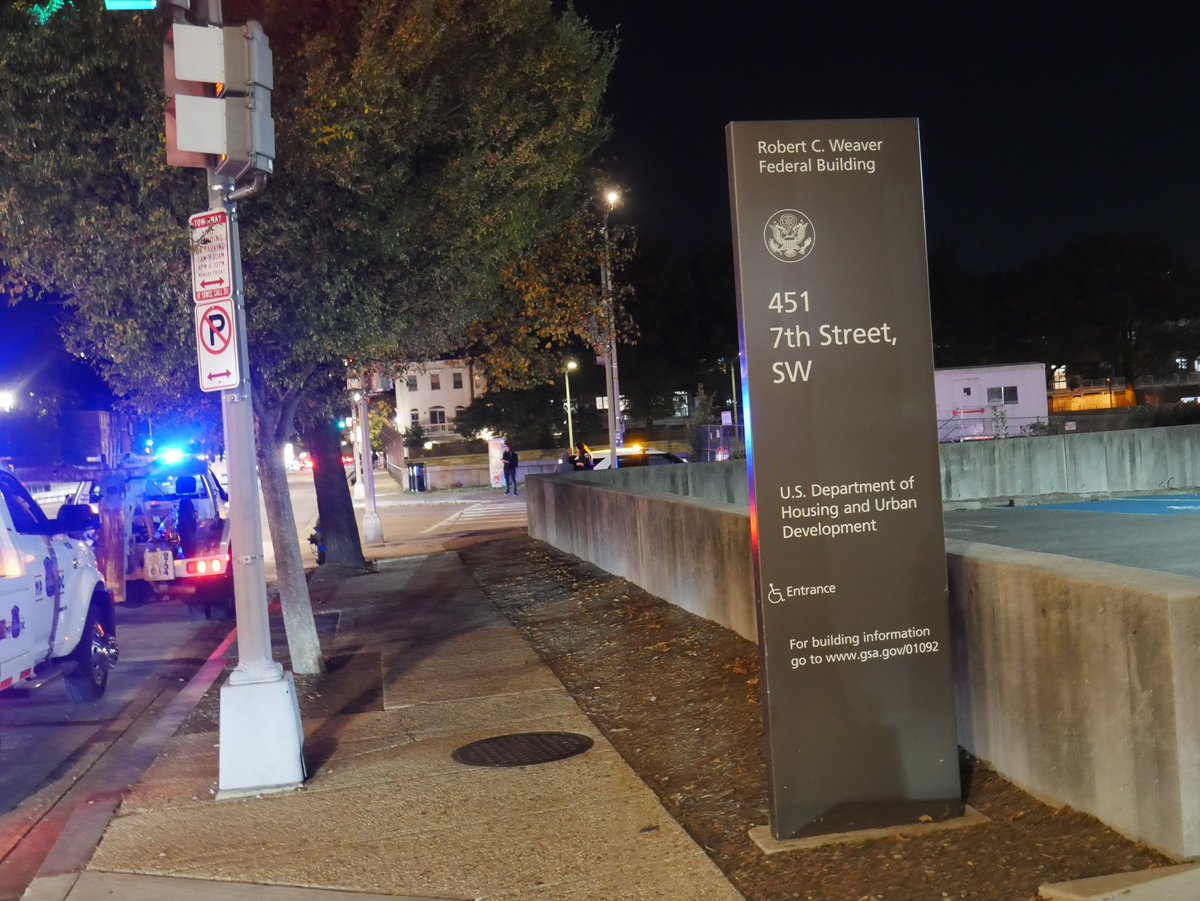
{"x":571,"y":364}
{"x":7,"y":401}
{"x":615,"y":432}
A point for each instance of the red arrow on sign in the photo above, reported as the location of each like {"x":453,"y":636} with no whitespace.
{"x":218,"y":375}
{"x":215,"y":281}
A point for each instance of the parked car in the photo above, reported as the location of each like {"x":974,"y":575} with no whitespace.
{"x":635,"y":456}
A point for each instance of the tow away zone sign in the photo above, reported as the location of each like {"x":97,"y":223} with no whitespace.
{"x":212,"y":269}
{"x":216,"y":346}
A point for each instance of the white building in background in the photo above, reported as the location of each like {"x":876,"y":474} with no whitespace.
{"x":431,"y":395}
{"x":979,"y":403}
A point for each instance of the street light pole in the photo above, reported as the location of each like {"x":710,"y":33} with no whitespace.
{"x":615,"y":430}
{"x":570,"y":431}
{"x":356,"y":444}
{"x":372,"y":527}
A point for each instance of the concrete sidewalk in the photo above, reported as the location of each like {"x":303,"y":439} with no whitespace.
{"x":420,"y":664}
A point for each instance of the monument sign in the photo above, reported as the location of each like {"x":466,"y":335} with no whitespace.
{"x":845,"y":502}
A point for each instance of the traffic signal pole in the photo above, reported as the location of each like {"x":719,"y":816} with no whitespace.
{"x":261,"y":736}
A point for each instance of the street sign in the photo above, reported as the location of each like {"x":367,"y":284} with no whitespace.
{"x":212,"y":266}
{"x":216,"y":346}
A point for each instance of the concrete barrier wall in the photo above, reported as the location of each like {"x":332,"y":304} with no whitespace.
{"x":443,"y":476}
{"x":1082,"y":464}
{"x":1079,"y":681}
{"x":690,"y":551}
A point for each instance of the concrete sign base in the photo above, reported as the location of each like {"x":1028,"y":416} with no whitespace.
{"x":262,"y":740}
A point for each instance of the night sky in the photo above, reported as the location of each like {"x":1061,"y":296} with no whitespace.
{"x":1038,"y":127}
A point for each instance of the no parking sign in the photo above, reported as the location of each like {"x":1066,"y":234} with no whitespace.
{"x":216,"y":346}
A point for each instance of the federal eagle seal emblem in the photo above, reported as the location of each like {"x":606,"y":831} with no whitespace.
{"x":789,"y":236}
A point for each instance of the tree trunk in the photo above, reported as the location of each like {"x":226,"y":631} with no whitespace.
{"x":303,"y":644}
{"x":339,"y":526}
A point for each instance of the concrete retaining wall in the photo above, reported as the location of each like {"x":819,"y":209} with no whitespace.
{"x":1081,"y":464}
{"x":1079,"y":681}
{"x":442,"y":476}
{"x":688,"y":550}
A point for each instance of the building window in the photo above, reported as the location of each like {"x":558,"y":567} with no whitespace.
{"x":1006,"y":395}
{"x":435,"y":382}
{"x":457,"y":378}
{"x":437,"y":418}
{"x":679,"y":400}
{"x":415,"y":417}
{"x":412,"y":383}
{"x":966,"y":392}
{"x":1060,"y":378}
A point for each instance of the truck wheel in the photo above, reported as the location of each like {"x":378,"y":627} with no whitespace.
{"x":90,"y":677}
{"x":138,"y":593}
{"x":224,"y":608}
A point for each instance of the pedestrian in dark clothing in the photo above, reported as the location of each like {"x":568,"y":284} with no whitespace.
{"x":583,"y":457}
{"x":510,"y":469}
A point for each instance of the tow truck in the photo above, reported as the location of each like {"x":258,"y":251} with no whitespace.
{"x":55,"y":610}
{"x":171,"y":518}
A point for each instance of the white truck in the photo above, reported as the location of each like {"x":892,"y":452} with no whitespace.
{"x":54,"y":607}
{"x":170,"y":518}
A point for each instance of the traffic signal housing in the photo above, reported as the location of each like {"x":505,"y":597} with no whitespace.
{"x":219,"y":83}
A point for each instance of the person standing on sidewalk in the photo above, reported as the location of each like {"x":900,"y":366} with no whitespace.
{"x":510,"y":469}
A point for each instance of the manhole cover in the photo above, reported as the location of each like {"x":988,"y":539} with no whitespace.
{"x":522,"y":749}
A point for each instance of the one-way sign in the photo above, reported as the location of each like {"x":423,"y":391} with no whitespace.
{"x":216,"y":346}
{"x":212,"y":269}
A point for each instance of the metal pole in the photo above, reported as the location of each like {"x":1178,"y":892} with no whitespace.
{"x":261,"y":736}
{"x":356,"y":449}
{"x":733,"y":393}
{"x":610,"y":363}
{"x":255,"y":663}
{"x":570,"y":430}
{"x":372,"y":527}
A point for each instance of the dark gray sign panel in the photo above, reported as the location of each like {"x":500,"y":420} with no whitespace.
{"x":845,"y":503}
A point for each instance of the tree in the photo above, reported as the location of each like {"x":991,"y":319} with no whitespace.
{"x":381,"y":414}
{"x":553,"y":301}
{"x":669,"y":354}
{"x":415,"y":437}
{"x":1108,"y":304}
{"x":323,"y":436}
{"x":528,"y":417}
{"x":423,"y":145}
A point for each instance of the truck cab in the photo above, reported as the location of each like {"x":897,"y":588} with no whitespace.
{"x":54,"y":607}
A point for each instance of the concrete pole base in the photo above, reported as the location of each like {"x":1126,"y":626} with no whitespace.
{"x":372,"y":529}
{"x":360,"y":493}
{"x":262,"y":740}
